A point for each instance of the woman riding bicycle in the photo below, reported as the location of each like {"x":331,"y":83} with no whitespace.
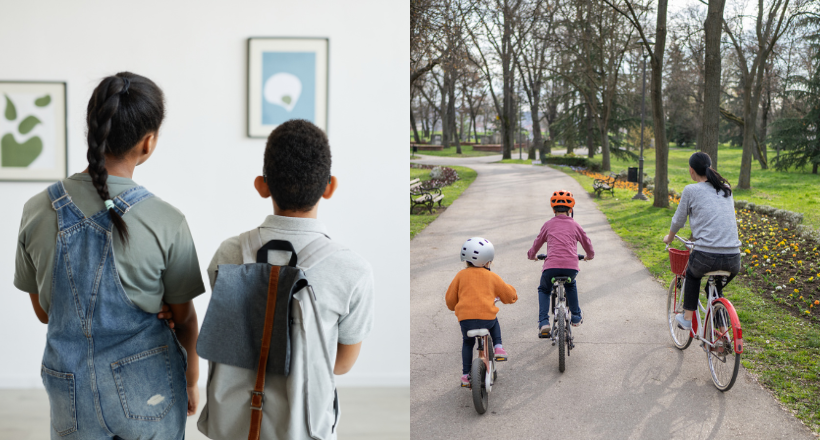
{"x":711,"y":211}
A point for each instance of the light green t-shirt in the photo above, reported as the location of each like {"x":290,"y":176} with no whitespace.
{"x":158,"y":264}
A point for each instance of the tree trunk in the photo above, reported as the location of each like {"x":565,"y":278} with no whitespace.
{"x":451,"y":112}
{"x":661,"y":194}
{"x":590,"y":148}
{"x":711,"y":87}
{"x":537,"y":141}
{"x":413,"y":124}
{"x":445,"y":115}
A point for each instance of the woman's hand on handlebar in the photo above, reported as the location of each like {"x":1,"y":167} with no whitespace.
{"x":668,"y":239}
{"x":588,"y":258}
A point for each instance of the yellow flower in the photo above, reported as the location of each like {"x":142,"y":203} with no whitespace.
{"x":807,"y":312}
{"x":801,"y":297}
{"x":791,"y":280}
{"x":796,"y":290}
{"x":756,"y":264}
{"x":748,"y":251}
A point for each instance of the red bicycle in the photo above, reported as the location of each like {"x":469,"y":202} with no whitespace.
{"x":720,"y":334}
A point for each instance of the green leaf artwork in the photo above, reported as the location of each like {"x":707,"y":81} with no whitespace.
{"x":11,"y":111}
{"x":286,"y":99}
{"x":42,"y":102}
{"x":28,"y":124}
{"x":14,"y":154}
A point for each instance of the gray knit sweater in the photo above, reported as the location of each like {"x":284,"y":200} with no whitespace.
{"x":711,"y":217}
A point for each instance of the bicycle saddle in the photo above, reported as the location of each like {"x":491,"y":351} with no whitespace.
{"x":717,"y":273}
{"x":477,"y":332}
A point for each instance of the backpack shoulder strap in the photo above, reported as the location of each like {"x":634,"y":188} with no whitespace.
{"x":316,"y":251}
{"x":251,"y":241}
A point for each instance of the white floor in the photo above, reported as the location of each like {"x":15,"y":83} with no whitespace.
{"x":368,"y":413}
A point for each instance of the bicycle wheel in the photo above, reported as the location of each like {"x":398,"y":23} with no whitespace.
{"x":723,"y":361}
{"x":561,"y":322}
{"x":674,"y":305}
{"x":480,"y":396}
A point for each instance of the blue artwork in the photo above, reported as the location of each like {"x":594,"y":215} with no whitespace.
{"x":288,"y":86}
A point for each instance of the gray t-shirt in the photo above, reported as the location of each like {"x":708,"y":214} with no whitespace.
{"x":711,"y":218}
{"x":159,"y":264}
{"x":343,"y":282}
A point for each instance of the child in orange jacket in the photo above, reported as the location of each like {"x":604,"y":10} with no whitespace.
{"x":472,"y":295}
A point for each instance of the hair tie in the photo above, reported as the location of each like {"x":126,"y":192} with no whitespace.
{"x":109,"y":204}
{"x":125,"y":84}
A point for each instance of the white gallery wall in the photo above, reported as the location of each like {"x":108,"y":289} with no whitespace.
{"x":196,"y":51}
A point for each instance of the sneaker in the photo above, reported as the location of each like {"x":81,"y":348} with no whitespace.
{"x":544,"y":333}
{"x":577,"y":320}
{"x":500,"y":354}
{"x":465,"y":381}
{"x":683,"y":324}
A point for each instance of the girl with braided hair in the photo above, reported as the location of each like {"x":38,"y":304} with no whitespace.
{"x":100,"y":256}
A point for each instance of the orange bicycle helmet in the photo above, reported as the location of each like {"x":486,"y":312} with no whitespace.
{"x":562,"y":198}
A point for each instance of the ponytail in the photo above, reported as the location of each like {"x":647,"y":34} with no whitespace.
{"x":719,"y":182}
{"x":702,"y":164}
{"x":122,"y":110}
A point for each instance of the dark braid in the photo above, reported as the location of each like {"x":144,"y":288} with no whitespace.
{"x":702,"y":164}
{"x":122,"y":110}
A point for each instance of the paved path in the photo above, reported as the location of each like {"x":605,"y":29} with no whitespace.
{"x":624,"y":380}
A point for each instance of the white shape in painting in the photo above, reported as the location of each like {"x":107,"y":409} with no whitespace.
{"x":283,"y":89}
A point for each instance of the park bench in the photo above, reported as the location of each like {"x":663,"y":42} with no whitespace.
{"x":424,"y":197}
{"x":606,"y":184}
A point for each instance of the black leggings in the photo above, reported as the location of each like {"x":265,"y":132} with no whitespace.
{"x":699,"y":264}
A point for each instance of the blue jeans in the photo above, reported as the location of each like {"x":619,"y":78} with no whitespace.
{"x":467,"y":346}
{"x":545,"y":291}
{"x":109,"y":368}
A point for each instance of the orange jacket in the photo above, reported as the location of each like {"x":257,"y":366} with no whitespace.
{"x":473,"y":291}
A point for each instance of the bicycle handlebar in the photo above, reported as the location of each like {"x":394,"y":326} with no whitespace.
{"x":544,"y":256}
{"x":689,"y":244}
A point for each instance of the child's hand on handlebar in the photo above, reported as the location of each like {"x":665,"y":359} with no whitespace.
{"x":588,"y":258}
{"x":668,"y":239}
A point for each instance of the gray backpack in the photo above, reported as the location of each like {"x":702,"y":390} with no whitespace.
{"x":262,"y":332}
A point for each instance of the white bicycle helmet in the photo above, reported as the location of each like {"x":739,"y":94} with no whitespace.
{"x":478,"y":251}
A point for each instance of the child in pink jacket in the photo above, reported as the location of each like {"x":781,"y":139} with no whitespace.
{"x":561,"y":233}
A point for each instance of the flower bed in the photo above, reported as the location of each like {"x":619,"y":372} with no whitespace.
{"x":440,"y":176}
{"x":780,"y":262}
{"x":622,"y":184}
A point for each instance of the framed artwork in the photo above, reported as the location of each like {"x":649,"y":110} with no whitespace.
{"x":287,"y":79}
{"x":33,"y":131}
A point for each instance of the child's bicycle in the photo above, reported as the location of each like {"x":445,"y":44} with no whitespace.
{"x":482,"y":372}
{"x":720,"y":334}
{"x":561,"y":332}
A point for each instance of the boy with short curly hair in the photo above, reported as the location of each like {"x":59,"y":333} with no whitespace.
{"x":296,"y":175}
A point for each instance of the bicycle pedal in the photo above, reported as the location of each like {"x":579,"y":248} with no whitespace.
{"x":500,"y":359}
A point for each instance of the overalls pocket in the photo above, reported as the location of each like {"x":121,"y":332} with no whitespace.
{"x":60,"y":389}
{"x":144,"y":384}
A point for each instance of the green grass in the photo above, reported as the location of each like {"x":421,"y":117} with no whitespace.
{"x":466,"y":151}
{"x":793,"y":190}
{"x":781,"y":350}
{"x":451,"y":193}
{"x":516,"y":161}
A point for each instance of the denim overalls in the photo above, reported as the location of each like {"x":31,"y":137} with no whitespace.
{"x":110,"y":369}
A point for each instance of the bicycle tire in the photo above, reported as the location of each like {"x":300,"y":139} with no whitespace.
{"x":674,"y":305}
{"x":480,"y":395}
{"x":724,"y":362}
{"x":562,"y":340}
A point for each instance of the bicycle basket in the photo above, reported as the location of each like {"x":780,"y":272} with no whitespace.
{"x":678,"y":260}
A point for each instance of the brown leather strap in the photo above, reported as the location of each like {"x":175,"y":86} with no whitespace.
{"x":258,"y":393}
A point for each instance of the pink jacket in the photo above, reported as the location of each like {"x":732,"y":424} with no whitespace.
{"x":561,"y":233}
